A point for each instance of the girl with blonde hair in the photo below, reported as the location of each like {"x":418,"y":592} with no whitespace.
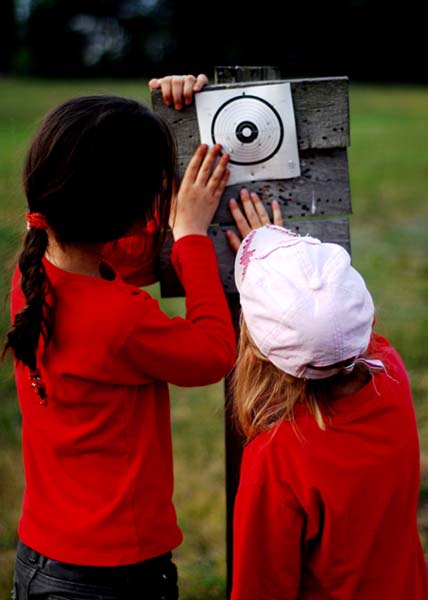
{"x":328,"y":493}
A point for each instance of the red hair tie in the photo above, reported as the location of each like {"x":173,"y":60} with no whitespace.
{"x":36,"y":220}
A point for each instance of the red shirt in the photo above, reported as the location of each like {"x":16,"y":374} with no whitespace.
{"x":331,"y":515}
{"x":98,"y":459}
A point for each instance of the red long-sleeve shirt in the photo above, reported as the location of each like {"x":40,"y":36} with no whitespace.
{"x":331,"y":515}
{"x":97,"y":458}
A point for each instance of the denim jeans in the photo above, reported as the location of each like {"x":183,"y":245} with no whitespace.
{"x":39,"y":578}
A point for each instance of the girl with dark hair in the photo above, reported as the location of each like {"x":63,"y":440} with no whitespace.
{"x":94,"y":353}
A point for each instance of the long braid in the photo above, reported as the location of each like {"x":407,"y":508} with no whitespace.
{"x":35,"y":319}
{"x":97,"y":166}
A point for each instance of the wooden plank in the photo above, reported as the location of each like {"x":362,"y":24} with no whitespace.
{"x":321,"y":190}
{"x":237,"y":74}
{"x":322,"y":113}
{"x":320,"y":105}
{"x":328,"y":230}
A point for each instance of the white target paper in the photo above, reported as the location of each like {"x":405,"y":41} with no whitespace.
{"x":256,"y":125}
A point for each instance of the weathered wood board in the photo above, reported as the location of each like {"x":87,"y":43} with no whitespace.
{"x":322,"y":190}
{"x":328,"y":230}
{"x":321,"y":110}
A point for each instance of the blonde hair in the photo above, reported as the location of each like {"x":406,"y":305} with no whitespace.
{"x":263,"y":394}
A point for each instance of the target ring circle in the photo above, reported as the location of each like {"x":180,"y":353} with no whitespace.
{"x":247,"y":132}
{"x":249,"y":128}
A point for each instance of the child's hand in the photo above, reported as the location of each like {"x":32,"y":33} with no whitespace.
{"x":178,"y":89}
{"x":200,"y":191}
{"x":255,"y":216}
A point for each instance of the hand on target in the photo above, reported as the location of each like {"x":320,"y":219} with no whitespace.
{"x":255,"y":216}
{"x":178,"y":90}
{"x":200,"y":191}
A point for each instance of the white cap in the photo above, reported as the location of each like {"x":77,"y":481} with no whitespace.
{"x":304,"y":304}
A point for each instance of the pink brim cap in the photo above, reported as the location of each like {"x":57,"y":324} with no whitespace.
{"x":305,"y":306}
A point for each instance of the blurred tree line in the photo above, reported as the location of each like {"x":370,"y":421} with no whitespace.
{"x":371,"y":40}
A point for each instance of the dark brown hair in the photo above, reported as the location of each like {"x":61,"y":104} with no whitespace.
{"x":97,"y":166}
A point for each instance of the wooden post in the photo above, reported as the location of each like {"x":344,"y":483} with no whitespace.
{"x":234,"y":448}
{"x":310,"y":203}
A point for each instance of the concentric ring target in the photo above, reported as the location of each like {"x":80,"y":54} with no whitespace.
{"x":249,"y":128}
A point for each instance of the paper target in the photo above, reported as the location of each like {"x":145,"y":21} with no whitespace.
{"x":255,"y":125}
{"x":253,"y":138}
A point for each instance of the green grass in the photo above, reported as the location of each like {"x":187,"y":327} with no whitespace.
{"x":389,"y":233}
{"x":389,"y":229}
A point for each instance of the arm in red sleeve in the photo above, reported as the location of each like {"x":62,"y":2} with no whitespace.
{"x":197,"y":350}
{"x":268,"y":529}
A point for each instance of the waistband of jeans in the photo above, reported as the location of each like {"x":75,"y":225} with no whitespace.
{"x":94,"y":575}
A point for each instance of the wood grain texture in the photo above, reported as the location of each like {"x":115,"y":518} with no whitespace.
{"x":328,"y":230}
{"x":322,"y":188}
{"x":322,"y":123}
{"x":320,"y":106}
{"x":237,"y":74}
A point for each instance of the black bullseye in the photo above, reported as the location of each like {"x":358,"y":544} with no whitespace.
{"x":249,"y":128}
{"x":247,"y":132}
